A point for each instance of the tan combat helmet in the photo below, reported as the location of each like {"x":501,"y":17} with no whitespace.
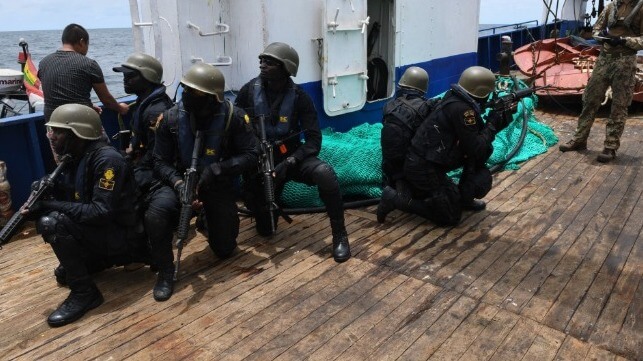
{"x":285,"y":54}
{"x":83,"y":121}
{"x":415,"y":78}
{"x":478,"y":81}
{"x":206,"y":78}
{"x":150,"y":68}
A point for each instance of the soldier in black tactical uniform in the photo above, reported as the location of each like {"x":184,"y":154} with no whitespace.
{"x":453,"y":136}
{"x":402,"y":116}
{"x":229,"y":148}
{"x":288,"y":111}
{"x":90,"y":222}
{"x":143,"y":76}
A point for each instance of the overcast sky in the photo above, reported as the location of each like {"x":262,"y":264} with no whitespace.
{"x":93,"y":14}
{"x":56,"y":14}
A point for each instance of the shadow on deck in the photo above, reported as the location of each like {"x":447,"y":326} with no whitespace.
{"x":551,"y":270}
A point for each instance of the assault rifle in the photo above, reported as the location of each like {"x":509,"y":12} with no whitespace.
{"x":267,"y":162}
{"x":187,"y":197}
{"x":39,"y":189}
{"x":507,"y":101}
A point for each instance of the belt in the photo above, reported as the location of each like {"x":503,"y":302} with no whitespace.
{"x":615,"y":55}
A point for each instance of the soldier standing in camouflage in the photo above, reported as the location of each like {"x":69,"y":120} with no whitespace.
{"x":618,"y":28}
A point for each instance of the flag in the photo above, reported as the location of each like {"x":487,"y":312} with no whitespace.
{"x":31,"y":82}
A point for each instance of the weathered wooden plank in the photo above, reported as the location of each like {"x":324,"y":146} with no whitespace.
{"x":365,"y":323}
{"x":558,"y":238}
{"x":311,"y":340}
{"x":494,"y":333}
{"x":407,"y":312}
{"x":484,"y":269}
{"x":431,"y":339}
{"x":575,"y":242}
{"x":266,"y":327}
{"x":414,"y":325}
{"x":612,"y":266}
{"x":518,"y":341}
{"x":305,"y":336}
{"x":545,"y":345}
{"x":466,"y":333}
{"x":572,"y":349}
{"x":616,"y":207}
{"x":598,"y":354}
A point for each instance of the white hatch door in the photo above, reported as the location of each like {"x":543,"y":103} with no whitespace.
{"x":344,"y":29}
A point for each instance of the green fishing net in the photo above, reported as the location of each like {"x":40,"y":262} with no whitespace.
{"x":356,"y":155}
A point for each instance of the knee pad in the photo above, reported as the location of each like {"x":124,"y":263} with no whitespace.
{"x":53,"y":226}
{"x":46,"y":227}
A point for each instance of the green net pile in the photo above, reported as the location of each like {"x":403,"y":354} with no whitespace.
{"x":356,"y":155}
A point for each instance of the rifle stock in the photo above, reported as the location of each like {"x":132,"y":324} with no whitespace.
{"x":36,"y":194}
{"x":187,"y":197}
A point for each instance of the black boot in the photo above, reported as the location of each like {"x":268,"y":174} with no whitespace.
{"x":475,"y":205}
{"x":79,"y":301}
{"x":164,"y":286}
{"x":341,"y":248}
{"x":387,"y":204}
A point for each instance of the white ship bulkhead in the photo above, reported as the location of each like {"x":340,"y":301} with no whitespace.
{"x":330,"y":37}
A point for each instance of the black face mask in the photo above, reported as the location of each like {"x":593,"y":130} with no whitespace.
{"x":195,"y":104}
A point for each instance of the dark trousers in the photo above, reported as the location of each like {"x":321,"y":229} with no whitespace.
{"x":221,"y":215}
{"x":311,"y":171}
{"x":161,"y":216}
{"x":439,"y":197}
{"x":84,"y":249}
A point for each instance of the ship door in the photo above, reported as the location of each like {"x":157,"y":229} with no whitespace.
{"x":344,"y":74}
{"x":380,"y":49}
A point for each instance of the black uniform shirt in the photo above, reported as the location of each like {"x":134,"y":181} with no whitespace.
{"x":238,"y":156}
{"x":304,"y":115}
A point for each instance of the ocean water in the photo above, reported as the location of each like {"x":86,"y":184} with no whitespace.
{"x":109,"y":47}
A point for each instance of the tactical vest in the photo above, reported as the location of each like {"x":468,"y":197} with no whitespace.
{"x":407,"y":112}
{"x":436,"y":141}
{"x":214,"y":141}
{"x":277,"y":124}
{"x":139,"y":129}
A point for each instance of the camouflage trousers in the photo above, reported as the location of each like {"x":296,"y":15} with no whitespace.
{"x":619,"y":73}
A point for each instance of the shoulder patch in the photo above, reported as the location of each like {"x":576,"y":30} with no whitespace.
{"x":246,"y":118}
{"x":469,"y":117}
{"x":107,"y":181}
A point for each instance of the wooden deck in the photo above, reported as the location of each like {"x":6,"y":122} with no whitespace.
{"x":551,"y":270}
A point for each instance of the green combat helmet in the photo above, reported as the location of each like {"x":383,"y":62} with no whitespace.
{"x":81,"y":119}
{"x":206,"y":78}
{"x":285,"y":54}
{"x":415,"y":78}
{"x":150,"y":68}
{"x":478,"y":81}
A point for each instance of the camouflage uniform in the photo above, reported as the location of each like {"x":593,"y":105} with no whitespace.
{"x":615,"y":67}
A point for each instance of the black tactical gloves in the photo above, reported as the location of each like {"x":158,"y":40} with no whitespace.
{"x":499,"y":120}
{"x":208,"y":174}
{"x":282,"y":168}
